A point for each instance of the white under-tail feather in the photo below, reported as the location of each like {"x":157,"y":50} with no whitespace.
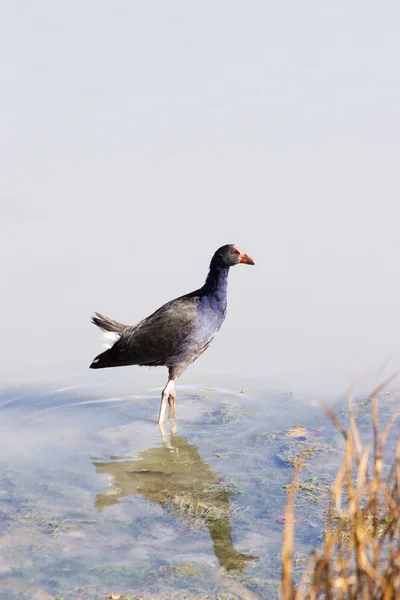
{"x":111,"y":330}
{"x":109,"y":338}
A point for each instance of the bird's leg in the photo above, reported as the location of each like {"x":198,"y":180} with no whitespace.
{"x":171,"y":402}
{"x":171,"y":397}
{"x":165,"y":399}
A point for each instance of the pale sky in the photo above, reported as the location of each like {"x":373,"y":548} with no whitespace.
{"x":138,"y":137}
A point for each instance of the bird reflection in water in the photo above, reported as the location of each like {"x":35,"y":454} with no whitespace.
{"x":176,"y":477}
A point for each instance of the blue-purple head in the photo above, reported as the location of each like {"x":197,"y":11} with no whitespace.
{"x":230,"y":255}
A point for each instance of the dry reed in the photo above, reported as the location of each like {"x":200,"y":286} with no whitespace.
{"x":359,"y":558}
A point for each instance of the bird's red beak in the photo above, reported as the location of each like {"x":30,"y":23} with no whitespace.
{"x":244,"y":258}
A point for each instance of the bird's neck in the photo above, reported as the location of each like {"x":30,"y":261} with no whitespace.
{"x":217,"y":282}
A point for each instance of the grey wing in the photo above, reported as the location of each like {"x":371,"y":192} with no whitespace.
{"x":159,"y":337}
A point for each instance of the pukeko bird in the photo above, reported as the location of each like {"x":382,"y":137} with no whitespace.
{"x":178,"y":332}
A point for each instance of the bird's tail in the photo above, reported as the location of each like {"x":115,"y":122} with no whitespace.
{"x":111,"y":330}
{"x":106,"y":324}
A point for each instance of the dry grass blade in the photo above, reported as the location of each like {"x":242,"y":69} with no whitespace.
{"x":379,"y":388}
{"x":287,"y":548}
{"x":346,"y":434}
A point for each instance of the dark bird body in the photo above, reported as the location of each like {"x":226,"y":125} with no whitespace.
{"x":176,"y":334}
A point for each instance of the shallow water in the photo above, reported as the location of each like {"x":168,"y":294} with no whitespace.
{"x":95,"y":499}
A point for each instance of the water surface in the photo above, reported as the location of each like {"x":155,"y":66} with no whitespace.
{"x":95,"y":499}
